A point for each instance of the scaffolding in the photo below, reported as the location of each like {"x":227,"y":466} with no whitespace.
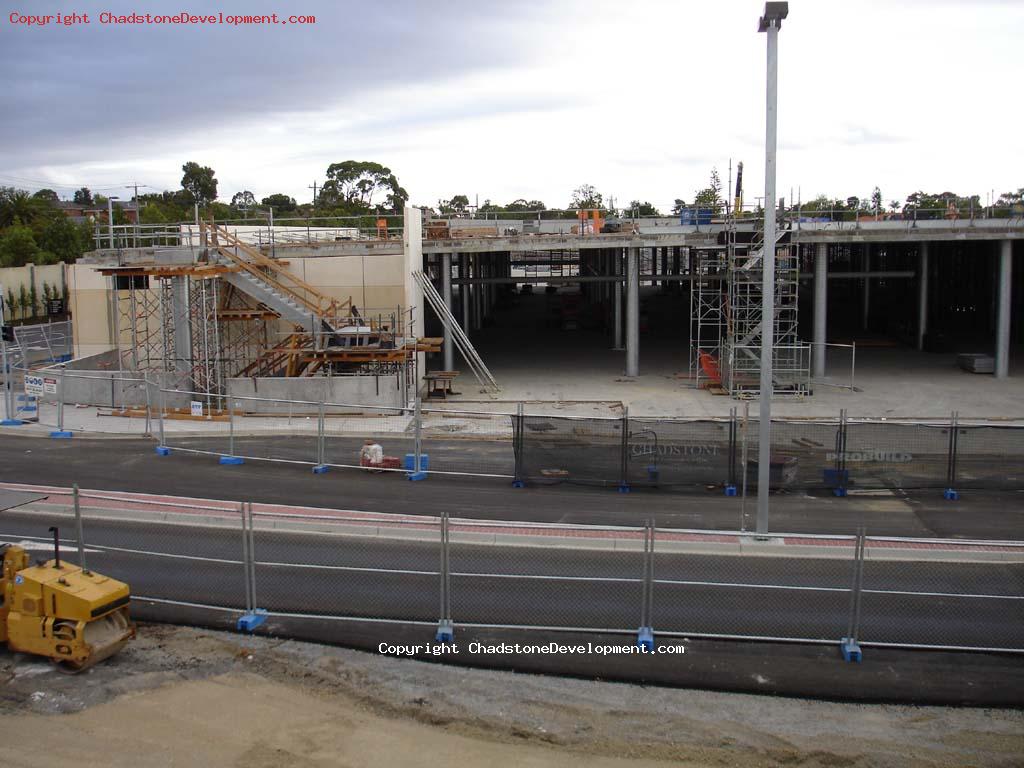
{"x":188,"y":329}
{"x":726,"y":316}
{"x":707,"y":316}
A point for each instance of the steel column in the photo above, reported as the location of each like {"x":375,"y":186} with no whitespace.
{"x":820,"y":308}
{"x":922,"y":297}
{"x":446,"y":285}
{"x":633,"y":312}
{"x":1003,"y":309}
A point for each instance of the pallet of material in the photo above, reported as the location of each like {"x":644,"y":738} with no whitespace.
{"x":468,"y":233}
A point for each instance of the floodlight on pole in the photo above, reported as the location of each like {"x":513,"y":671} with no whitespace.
{"x":769,"y":23}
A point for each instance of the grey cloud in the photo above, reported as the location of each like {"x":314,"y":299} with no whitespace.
{"x":94,"y":90}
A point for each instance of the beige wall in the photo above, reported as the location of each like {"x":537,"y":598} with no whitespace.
{"x":374,"y":283}
{"x":90,"y":310}
{"x":15,"y":277}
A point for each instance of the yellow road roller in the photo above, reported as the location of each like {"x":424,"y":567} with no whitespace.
{"x":71,"y":615}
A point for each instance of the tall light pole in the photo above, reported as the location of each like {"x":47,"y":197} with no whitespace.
{"x":110,"y":219}
{"x":770,"y":23}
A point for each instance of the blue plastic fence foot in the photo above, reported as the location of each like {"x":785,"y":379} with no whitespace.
{"x":163,"y":450}
{"x":652,"y":473}
{"x":850,"y":649}
{"x":624,"y":488}
{"x":445,"y":631}
{"x":645,"y":638}
{"x":518,"y":484}
{"x":951,"y":495}
{"x":410,"y":461}
{"x":730,"y":490}
{"x":417,"y":476}
{"x":230,"y":460}
{"x":11,"y":423}
{"x":840,"y":492}
{"x":248,"y":622}
{"x":61,"y":433}
{"x":319,"y":469}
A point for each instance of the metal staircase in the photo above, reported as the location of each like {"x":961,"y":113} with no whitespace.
{"x":269,"y":283}
{"x":462,"y":343}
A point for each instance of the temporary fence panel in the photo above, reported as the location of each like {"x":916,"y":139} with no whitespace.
{"x":565,"y":577}
{"x":947,"y":593}
{"x":718,"y":584}
{"x":988,"y":456}
{"x":889,"y":454}
{"x":337,"y":565}
{"x":348,"y":429}
{"x":469,"y":442}
{"x":169,"y":551}
{"x":557,"y":449}
{"x":679,"y":452}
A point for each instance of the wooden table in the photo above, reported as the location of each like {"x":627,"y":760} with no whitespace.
{"x":439,"y":383}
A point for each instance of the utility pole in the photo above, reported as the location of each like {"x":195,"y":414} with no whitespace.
{"x":770,"y":23}
{"x":135,"y":186}
{"x":314,"y":193}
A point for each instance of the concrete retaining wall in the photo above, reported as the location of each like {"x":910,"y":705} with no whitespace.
{"x":357,"y":390}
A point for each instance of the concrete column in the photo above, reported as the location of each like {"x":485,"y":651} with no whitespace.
{"x":478,"y":294}
{"x":617,"y":270}
{"x":182,"y":326}
{"x":633,"y":312}
{"x":1003,"y":309}
{"x":922,"y":297}
{"x":664,"y":268}
{"x":820,"y":308}
{"x":446,"y":286}
{"x":464,"y":291}
{"x":867,"y":287}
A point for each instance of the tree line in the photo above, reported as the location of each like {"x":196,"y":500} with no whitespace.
{"x":35,"y":230}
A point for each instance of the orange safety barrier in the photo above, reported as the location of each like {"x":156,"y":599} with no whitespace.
{"x":710,"y":367}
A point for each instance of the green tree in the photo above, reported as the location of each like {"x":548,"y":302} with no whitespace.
{"x":64,"y":239}
{"x":877,"y":205}
{"x":33,"y":300}
{"x":280,"y":202}
{"x":47,"y":196}
{"x":586,"y":197}
{"x":17,"y":246}
{"x":246,"y":200}
{"x":23,"y":301}
{"x":18,"y":207}
{"x":12,"y":304}
{"x":677,"y":206}
{"x":711,"y":195}
{"x":637,"y":208}
{"x":521,"y":205}
{"x":458,"y":205}
{"x":83,"y":196}
{"x":355,"y":185}
{"x":199,"y":182}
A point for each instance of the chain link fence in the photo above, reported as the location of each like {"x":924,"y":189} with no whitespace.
{"x":671,"y":453}
{"x":253,"y":559}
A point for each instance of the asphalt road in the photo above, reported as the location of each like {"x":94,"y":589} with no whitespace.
{"x":130,"y":464}
{"x":920,"y":602}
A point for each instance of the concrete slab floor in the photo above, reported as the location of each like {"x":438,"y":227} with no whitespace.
{"x":534,"y":359}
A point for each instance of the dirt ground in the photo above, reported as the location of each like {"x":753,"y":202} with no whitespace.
{"x":182,"y":696}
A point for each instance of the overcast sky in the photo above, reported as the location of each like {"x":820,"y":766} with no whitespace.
{"x":526,"y":99}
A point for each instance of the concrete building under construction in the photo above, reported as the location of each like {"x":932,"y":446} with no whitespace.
{"x":512,"y":303}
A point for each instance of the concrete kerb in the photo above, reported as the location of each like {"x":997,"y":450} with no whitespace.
{"x":426,"y":530}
